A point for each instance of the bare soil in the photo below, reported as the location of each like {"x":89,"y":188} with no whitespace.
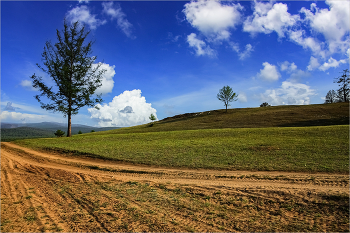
{"x":53,"y":192}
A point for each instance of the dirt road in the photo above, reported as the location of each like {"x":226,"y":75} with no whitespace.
{"x":50,"y":192}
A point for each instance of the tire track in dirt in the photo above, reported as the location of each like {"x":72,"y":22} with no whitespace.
{"x":47,"y":185}
{"x":30,"y":203}
{"x":312,"y":181}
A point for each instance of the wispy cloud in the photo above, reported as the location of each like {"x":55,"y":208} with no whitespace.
{"x":200,"y":46}
{"x":115,"y":12}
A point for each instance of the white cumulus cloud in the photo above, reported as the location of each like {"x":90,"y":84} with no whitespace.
{"x":115,"y":12}
{"x":332,"y":23}
{"x":107,"y":78}
{"x":213,"y":18}
{"x":126,"y":109}
{"x":83,"y":15}
{"x":269,"y":17}
{"x":313,"y":63}
{"x":306,"y":42}
{"x":269,"y":72}
{"x":289,"y":94}
{"x":332,"y":63}
{"x":200,"y":46}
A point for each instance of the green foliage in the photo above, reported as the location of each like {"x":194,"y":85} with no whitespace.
{"x":59,"y":133}
{"x":226,"y":95}
{"x":79,"y":132}
{"x":92,"y":131}
{"x":265,"y":104}
{"x":70,"y":64}
{"x":152,"y":118}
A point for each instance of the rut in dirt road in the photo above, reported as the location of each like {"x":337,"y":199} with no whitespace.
{"x":48,"y":192}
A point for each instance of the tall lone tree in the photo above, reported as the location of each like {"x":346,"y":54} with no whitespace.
{"x":343,"y":82}
{"x":226,"y":95}
{"x":69,"y":64}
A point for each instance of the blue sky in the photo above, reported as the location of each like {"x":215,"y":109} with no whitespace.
{"x":172,"y":57}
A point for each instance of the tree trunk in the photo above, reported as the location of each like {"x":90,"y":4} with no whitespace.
{"x":226,"y":107}
{"x":69,"y":131}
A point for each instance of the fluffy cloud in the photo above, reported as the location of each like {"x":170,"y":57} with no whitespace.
{"x":200,"y":46}
{"x":333,"y":24}
{"x":82,"y":14}
{"x":286,"y":66}
{"x":212,"y":18}
{"x":331,"y":63}
{"x":115,"y":12}
{"x":299,"y":37}
{"x":269,"y":72}
{"x":126,"y":109}
{"x":268,"y":17}
{"x":107,"y":78}
{"x":292,"y":69}
{"x":288,"y":93}
{"x":313,"y":63}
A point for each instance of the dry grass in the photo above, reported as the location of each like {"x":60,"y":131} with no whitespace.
{"x":274,"y":116}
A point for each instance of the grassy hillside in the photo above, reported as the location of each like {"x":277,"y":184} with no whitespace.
{"x":308,"y":149}
{"x":266,"y":140}
{"x":274,"y":116}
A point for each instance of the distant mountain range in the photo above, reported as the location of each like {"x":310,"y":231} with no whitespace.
{"x":13,"y":131}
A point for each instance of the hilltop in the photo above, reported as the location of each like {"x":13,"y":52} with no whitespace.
{"x":261,"y":117}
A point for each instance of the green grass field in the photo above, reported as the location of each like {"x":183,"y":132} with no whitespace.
{"x":306,"y":149}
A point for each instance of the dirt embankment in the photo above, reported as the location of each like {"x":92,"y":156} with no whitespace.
{"x":48,"y":192}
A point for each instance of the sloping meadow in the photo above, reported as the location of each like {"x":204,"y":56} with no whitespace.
{"x":304,"y":149}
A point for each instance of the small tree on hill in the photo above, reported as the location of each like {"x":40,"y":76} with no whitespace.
{"x":265,"y":104}
{"x":152,"y":118}
{"x":80,"y":132}
{"x":343,"y":82}
{"x":69,"y":63}
{"x":331,"y":97}
{"x":59,"y":133}
{"x":226,"y":95}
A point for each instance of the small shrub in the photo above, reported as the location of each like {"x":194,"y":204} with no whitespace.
{"x":79,"y":132}
{"x":265,"y":104}
{"x":59,"y":133}
{"x":152,"y":118}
